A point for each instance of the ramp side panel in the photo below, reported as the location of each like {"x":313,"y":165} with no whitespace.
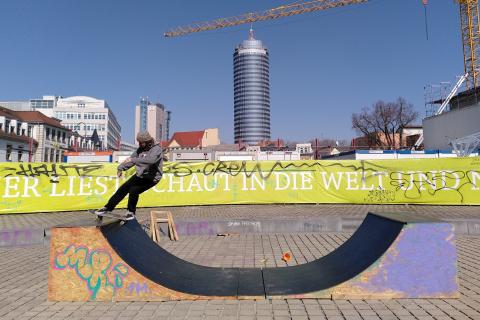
{"x":371,"y":240}
{"x":421,"y":263}
{"x":84,"y":267}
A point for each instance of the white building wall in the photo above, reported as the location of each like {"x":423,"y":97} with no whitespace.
{"x":438,"y":131}
{"x":85,"y":114}
{"x":15,"y":147}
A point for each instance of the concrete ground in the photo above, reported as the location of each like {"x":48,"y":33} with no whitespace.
{"x":24,"y":265}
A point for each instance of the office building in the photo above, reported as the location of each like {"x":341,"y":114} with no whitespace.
{"x":85,"y":114}
{"x":80,"y":114}
{"x":152,"y":117}
{"x":251,"y":92}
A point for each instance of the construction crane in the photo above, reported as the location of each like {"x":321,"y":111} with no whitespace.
{"x":275,"y":13}
{"x":469,"y":20}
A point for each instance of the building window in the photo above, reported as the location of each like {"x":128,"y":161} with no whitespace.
{"x":8,"y":156}
{"x":47,"y":135}
{"x":52,"y":153}
{"x":20,"y":154}
{"x":45,"y":155}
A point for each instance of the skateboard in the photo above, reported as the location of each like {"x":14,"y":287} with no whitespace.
{"x":108,"y":215}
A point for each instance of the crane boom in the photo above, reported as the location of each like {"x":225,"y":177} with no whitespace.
{"x":275,"y":13}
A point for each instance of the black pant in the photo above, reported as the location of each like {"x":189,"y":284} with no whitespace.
{"x":134,"y":187}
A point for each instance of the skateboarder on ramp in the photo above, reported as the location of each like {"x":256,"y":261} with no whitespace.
{"x":148,"y":162}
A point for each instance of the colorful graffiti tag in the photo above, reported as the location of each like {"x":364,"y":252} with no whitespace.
{"x":95,"y":268}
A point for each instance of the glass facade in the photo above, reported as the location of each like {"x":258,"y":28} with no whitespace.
{"x":251,"y":92}
{"x":143,"y":114}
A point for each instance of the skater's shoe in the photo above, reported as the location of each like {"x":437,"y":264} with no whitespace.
{"x":130,"y":215}
{"x":102,"y":211}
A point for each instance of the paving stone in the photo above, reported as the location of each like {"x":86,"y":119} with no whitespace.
{"x":24,"y":275}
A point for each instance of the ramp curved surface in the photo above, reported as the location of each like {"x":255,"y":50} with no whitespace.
{"x":371,"y":240}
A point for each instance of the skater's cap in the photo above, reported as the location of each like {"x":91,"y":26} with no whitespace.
{"x":144,"y":136}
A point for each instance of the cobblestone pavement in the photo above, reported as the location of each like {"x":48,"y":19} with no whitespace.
{"x":23,"y":270}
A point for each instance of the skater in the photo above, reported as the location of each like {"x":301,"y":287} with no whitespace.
{"x":148,"y":160}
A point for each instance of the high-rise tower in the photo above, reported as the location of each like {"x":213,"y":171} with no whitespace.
{"x":154,"y":118}
{"x":251,"y":92}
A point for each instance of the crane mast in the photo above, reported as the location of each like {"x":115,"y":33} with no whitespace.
{"x":470,"y":27}
{"x":275,"y":13}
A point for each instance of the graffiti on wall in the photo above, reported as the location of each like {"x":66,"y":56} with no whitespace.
{"x":94,"y":268}
{"x":428,"y":181}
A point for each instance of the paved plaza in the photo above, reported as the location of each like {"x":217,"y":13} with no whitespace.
{"x":24,"y":265}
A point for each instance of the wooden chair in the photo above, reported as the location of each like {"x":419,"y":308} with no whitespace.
{"x":157,"y":217}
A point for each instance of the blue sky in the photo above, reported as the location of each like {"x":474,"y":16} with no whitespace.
{"x":324,"y":66}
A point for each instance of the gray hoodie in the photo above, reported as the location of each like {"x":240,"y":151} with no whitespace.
{"x":148,"y":163}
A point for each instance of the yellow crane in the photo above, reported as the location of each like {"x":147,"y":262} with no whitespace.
{"x":469,"y":24}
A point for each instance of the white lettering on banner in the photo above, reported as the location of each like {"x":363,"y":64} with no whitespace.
{"x":364,"y":184}
{"x":405,"y":185}
{"x":225,"y":178}
{"x":214,"y":183}
{"x":71,"y":181}
{"x":9,"y":186}
{"x":306,"y":178}
{"x":331,"y":179}
{"x":171,"y":183}
{"x":475,"y":176}
{"x":256,"y":180}
{"x":277,"y":180}
{"x":33,"y":187}
{"x":84,"y":185}
{"x":294,"y":180}
{"x":423,"y":178}
{"x":352,"y":179}
{"x":380,"y":175}
{"x":445,"y":175}
{"x":54,"y":191}
{"x":103,"y":187}
{"x":194,"y":183}
{"x":244,"y":179}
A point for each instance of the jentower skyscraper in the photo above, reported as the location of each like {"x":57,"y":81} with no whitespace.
{"x":251,"y":92}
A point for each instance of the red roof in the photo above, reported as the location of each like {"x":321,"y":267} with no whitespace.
{"x":189,"y":139}
{"x":9,"y":113}
{"x":37,"y":116}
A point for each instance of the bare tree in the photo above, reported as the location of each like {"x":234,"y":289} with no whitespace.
{"x":383,"y":120}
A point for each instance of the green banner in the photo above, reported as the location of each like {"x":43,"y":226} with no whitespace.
{"x":41,"y":187}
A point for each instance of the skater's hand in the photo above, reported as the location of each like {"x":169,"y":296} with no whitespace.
{"x":129,"y":159}
{"x":119,"y":173}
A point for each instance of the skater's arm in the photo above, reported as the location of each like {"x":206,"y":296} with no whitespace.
{"x":125,"y":165}
{"x":151,"y":157}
